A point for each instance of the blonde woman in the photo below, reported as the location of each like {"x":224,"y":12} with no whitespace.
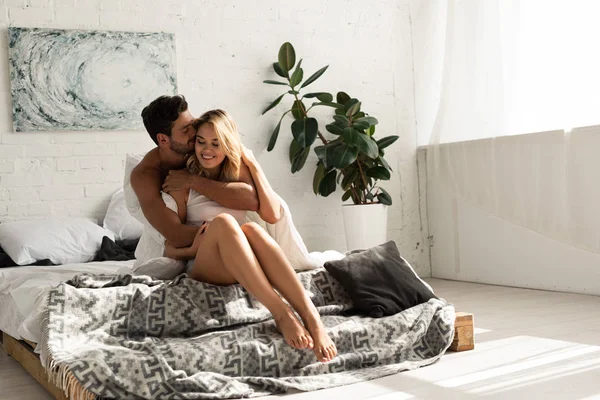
{"x":227,"y":250}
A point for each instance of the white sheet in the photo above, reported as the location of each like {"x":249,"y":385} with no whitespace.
{"x":22,"y":290}
{"x":10,"y":317}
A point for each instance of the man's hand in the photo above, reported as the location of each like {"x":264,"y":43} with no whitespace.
{"x":177,"y":180}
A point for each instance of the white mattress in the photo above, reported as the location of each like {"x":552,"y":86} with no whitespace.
{"x":23,"y":289}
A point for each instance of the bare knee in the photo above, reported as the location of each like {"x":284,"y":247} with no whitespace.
{"x":252,"y":229}
{"x":225,"y":221}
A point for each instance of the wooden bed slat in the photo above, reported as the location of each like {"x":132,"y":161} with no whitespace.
{"x":23,"y":353}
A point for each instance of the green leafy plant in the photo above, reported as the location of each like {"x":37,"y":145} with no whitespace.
{"x":348,"y":155}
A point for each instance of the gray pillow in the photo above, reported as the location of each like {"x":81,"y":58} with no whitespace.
{"x":379,"y":281}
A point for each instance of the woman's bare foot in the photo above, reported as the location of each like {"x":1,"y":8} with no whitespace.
{"x":293,"y":332}
{"x":324,"y":348}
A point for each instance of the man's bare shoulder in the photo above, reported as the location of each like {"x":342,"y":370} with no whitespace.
{"x":147,"y":170}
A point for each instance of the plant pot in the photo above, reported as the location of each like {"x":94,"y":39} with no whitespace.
{"x":365,"y":225}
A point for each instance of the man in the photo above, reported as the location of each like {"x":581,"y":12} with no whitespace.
{"x":169,"y":124}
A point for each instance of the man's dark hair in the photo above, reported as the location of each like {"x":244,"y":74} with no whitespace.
{"x":160,"y":115}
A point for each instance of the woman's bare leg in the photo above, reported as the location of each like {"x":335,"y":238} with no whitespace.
{"x":225,"y":257}
{"x":283,"y":277}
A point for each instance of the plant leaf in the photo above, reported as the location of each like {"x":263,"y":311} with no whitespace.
{"x":349,"y":178}
{"x":379,"y":173}
{"x":274,"y":136}
{"x":321,"y":152}
{"x":385,"y":163}
{"x":371,"y":130}
{"x":384,"y":197}
{"x":319,"y":174}
{"x":386,"y":141}
{"x":279,"y":71}
{"x":294,"y":149}
{"x":352,"y":107}
{"x":314,"y":76}
{"x":327,"y":185}
{"x":305,"y":131}
{"x":297,"y":75}
{"x":369,"y":120}
{"x":287,"y":56}
{"x":360,"y":125}
{"x":298,"y":109}
{"x":273,"y":104}
{"x":347,"y":195}
{"x":342,"y":98}
{"x":325,"y":97}
{"x":343,"y":155}
{"x":322,"y":96}
{"x":351,"y":136}
{"x":335,"y":129}
{"x":367,"y":145}
{"x":324,"y":103}
{"x":300,"y":159}
{"x":341,"y":120}
{"x":275,"y":82}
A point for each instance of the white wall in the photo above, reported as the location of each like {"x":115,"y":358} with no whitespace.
{"x":224,"y":51}
{"x":472,"y":245}
{"x":469,"y":243}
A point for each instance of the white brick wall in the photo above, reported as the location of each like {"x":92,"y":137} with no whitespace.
{"x":224,"y":50}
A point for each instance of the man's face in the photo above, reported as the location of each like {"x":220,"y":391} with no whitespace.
{"x":183,"y":135}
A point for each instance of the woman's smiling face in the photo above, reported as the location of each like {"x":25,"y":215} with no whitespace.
{"x":208,"y":148}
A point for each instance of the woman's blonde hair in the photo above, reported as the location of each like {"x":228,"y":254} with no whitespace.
{"x":229,"y":142}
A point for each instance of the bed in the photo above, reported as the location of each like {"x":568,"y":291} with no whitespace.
{"x":23,"y":289}
{"x":115,"y":333}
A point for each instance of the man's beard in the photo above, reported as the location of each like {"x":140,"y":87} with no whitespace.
{"x":179,"y":148}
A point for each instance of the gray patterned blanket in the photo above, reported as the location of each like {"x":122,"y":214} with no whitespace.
{"x":132,"y":337}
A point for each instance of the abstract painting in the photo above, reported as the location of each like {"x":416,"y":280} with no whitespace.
{"x":87,"y":80}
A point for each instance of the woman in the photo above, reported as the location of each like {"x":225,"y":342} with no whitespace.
{"x":227,"y":250}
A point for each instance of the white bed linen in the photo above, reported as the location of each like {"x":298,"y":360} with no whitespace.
{"x":22,"y":291}
{"x":10,"y":317}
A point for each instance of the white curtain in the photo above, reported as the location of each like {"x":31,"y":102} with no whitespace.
{"x":511,"y":68}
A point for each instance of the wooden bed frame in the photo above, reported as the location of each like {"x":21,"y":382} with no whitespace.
{"x":23,"y":352}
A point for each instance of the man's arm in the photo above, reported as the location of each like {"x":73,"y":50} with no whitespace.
{"x":240,"y":195}
{"x":146,"y":184}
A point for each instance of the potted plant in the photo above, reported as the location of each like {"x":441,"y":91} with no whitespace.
{"x":348,"y":153}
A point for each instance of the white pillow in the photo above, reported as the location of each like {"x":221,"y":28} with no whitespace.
{"x":61,"y":240}
{"x":131,"y":200}
{"x":119,"y":221}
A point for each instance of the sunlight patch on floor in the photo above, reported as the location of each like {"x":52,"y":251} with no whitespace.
{"x":521,"y":361}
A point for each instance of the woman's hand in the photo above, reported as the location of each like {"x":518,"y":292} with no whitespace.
{"x":178,"y":179}
{"x":186,"y":253}
{"x":248,"y":157}
{"x":170,"y":250}
{"x":199,"y":236}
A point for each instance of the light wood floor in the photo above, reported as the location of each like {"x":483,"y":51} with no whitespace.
{"x":528,"y":344}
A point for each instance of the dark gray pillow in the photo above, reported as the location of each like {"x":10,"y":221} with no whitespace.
{"x":379,"y":281}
